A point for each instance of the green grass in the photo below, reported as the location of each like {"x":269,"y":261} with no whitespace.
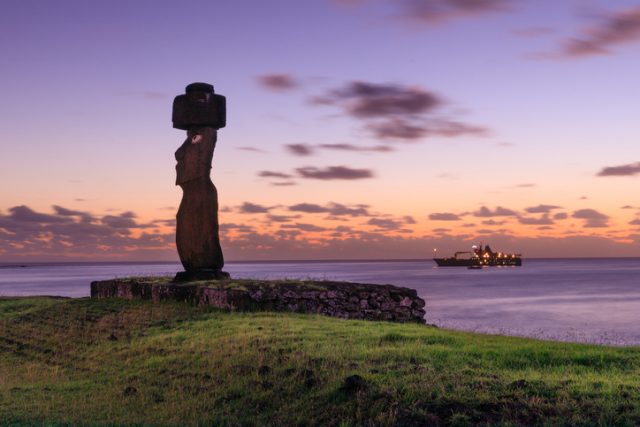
{"x":115,"y":362}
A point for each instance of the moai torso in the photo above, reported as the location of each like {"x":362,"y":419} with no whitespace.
{"x":195,"y":155}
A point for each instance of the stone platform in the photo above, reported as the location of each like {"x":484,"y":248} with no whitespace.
{"x":338,"y":299}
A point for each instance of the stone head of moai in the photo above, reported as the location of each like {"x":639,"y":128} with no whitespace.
{"x":201,"y":112}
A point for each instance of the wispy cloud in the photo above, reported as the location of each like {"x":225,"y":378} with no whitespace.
{"x":333,"y":209}
{"x":304,"y":227}
{"x":252,"y":208}
{"x":282,"y":218}
{"x":251,"y":149}
{"x":357,"y":148}
{"x":613,"y":30}
{"x":543,"y":220}
{"x":431,"y":12}
{"x":300,"y":149}
{"x":485,"y":212}
{"x":272,"y":174}
{"x":308,"y":208}
{"x":622,"y":170}
{"x":444,"y":216}
{"x":278,"y":82}
{"x":334,"y":173}
{"x":397,"y":112}
{"x":541,"y":208}
{"x":592,"y":218}
{"x":389,"y":224}
{"x":370,"y":100}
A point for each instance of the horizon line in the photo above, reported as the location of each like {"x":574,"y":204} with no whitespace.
{"x":10,"y":264}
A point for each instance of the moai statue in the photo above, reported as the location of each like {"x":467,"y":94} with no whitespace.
{"x":201,"y":113}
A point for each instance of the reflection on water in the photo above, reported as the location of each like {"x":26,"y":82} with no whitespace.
{"x":586,"y":300}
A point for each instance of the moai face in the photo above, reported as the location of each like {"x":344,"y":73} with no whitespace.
{"x":199,"y":107}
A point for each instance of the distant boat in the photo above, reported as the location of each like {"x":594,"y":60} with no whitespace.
{"x":480,"y":257}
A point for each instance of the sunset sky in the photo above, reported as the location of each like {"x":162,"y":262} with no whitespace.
{"x":355,"y":128}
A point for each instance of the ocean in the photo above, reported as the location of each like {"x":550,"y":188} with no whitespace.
{"x":579,"y":300}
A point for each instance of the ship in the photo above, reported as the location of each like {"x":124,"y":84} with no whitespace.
{"x":480,"y":257}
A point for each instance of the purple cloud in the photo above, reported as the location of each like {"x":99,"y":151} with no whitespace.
{"x":282,"y":218}
{"x":239,"y":228}
{"x":592,"y":218}
{"x":308,"y":208}
{"x":411,"y":130}
{"x":251,"y":149}
{"x":615,"y":29}
{"x":397,"y":112}
{"x":399,"y":129}
{"x":26,"y":214}
{"x":543,"y":220}
{"x":124,"y":220}
{"x":541,"y":209}
{"x":441,"y":230}
{"x":299,"y":149}
{"x":444,"y":216}
{"x":357,"y":148}
{"x":67,"y":232}
{"x":431,"y":12}
{"x":333,"y":209}
{"x":623,"y":170}
{"x":271,"y":174}
{"x":334,"y":173}
{"x":369,"y":100}
{"x":304,"y":227}
{"x":436,"y":11}
{"x":59,"y":210}
{"x":485,"y":212}
{"x":252,"y":208}
{"x":278,"y":82}
{"x":408,"y":219}
{"x":392,"y":224}
{"x":386,"y":223}
{"x":338,"y":209}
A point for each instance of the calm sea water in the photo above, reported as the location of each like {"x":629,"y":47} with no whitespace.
{"x":583,"y":300}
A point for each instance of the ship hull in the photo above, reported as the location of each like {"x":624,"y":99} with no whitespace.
{"x":454,"y":262}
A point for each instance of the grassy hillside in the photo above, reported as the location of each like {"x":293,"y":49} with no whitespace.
{"x":132,"y":362}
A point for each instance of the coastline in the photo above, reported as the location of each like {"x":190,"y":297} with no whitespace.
{"x":585,"y":301}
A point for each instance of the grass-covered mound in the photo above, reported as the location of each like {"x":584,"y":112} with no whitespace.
{"x":345,"y":300}
{"x":134,"y":362}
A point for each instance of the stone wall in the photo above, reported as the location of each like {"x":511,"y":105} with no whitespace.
{"x":337,"y":299}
